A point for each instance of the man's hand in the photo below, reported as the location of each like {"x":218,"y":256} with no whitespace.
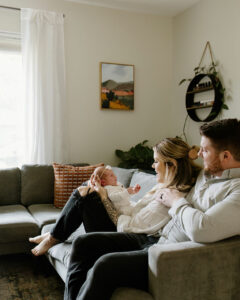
{"x":169,"y":196}
{"x":134,"y":190}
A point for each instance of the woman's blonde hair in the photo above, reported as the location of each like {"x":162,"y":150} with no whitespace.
{"x":181,"y":172}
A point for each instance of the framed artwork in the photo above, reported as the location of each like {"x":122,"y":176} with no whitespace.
{"x":116,"y":86}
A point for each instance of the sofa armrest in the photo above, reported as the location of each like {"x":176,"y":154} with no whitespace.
{"x":195,"y":271}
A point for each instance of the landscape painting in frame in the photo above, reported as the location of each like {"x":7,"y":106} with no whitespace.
{"x":117,"y":86}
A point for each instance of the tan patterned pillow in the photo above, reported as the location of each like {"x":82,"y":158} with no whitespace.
{"x":67,"y":179}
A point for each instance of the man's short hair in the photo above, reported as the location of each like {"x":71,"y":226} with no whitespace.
{"x":224,"y":135}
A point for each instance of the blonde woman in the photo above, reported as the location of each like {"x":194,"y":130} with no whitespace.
{"x":173,"y":163}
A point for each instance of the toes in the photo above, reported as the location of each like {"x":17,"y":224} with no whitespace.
{"x":34,"y":252}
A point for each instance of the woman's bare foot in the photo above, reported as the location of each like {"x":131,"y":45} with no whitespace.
{"x":37,"y":239}
{"x":45,"y":244}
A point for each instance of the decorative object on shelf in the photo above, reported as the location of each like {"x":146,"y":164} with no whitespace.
{"x":139,"y":156}
{"x":206,"y":79}
{"x":116,"y":86}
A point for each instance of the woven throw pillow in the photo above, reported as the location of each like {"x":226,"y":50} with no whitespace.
{"x":67,"y":178}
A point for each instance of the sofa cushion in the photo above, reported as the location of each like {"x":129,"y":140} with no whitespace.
{"x":10,"y":182}
{"x":124,"y":175}
{"x":37,"y":184}
{"x":16,"y":224}
{"x":146,"y":181}
{"x":44,"y":213}
{"x":67,"y":179}
{"x":62,"y":251}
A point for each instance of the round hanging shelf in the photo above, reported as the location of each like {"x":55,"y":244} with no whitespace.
{"x":195,"y":86}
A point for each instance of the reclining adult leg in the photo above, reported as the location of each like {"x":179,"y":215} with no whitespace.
{"x":87,"y":209}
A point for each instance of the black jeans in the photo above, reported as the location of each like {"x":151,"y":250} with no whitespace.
{"x":88,"y":210}
{"x":101,"y":262}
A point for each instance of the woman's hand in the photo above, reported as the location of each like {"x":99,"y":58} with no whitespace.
{"x":94,"y":179}
{"x":169,"y":196}
{"x":95,"y":183}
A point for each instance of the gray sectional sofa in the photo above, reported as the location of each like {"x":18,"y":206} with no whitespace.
{"x":177,"y":271}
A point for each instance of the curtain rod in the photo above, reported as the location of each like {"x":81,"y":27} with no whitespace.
{"x":15,"y":8}
{"x":10,"y":7}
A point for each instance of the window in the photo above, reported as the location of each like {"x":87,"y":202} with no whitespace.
{"x":11,"y":103}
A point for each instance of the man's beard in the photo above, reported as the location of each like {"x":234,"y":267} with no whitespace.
{"x":214,"y":168}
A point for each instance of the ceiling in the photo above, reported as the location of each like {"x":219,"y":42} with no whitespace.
{"x":157,"y":7}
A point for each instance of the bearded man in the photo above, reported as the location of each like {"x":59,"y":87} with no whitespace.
{"x":211,"y":211}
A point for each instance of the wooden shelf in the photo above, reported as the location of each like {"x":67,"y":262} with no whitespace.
{"x":199,"y":106}
{"x":213,"y":106}
{"x":200,"y":90}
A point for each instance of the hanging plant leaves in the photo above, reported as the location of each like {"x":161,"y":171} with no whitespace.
{"x":224,"y":106}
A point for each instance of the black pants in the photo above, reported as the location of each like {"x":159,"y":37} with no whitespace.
{"x":101,"y":262}
{"x":88,"y":210}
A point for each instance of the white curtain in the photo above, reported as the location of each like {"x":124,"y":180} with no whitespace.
{"x":44,"y":77}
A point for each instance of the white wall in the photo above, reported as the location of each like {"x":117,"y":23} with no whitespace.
{"x":96,"y":34}
{"x":216,"y":21}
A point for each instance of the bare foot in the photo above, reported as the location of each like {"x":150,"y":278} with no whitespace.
{"x":37,"y":239}
{"x":45,"y":244}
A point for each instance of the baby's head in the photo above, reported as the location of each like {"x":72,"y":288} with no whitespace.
{"x":106,"y":175}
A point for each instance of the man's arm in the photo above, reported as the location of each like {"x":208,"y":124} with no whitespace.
{"x":219,"y":222}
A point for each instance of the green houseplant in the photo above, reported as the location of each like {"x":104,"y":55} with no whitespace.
{"x":139,"y":156}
